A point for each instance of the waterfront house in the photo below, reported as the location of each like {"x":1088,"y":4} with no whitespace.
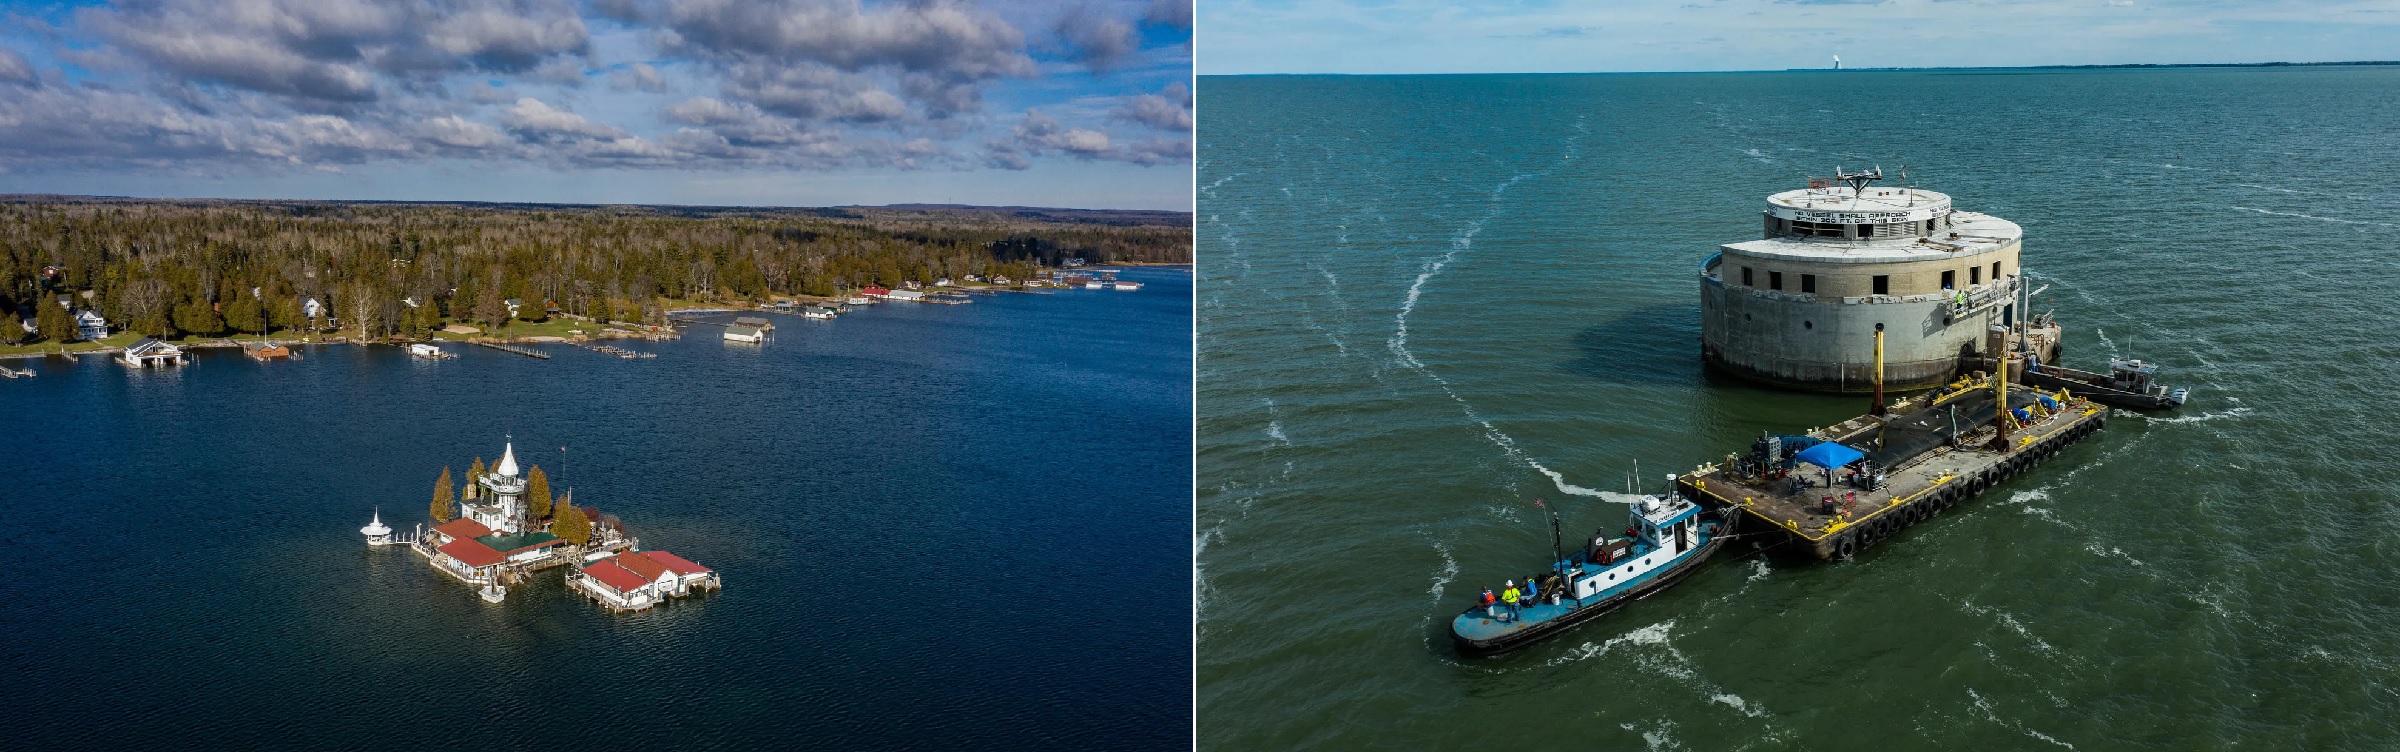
{"x":150,"y":352}
{"x":614,"y":585}
{"x":688,"y":576}
{"x":311,"y":309}
{"x":876,"y":291}
{"x":739,"y":333}
{"x":943,"y":282}
{"x":906,"y":295}
{"x":469,"y":559}
{"x":755,"y":322}
{"x":910,"y":284}
{"x":500,"y":487}
{"x":89,"y":324}
{"x":854,"y":300}
{"x":458,"y":529}
{"x":662,"y":580}
{"x":818,"y":312}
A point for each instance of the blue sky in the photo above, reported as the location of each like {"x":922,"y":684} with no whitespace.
{"x":1081,"y":103}
{"x":1491,"y":36}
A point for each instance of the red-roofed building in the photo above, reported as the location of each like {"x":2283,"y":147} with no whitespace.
{"x":875,"y":291}
{"x":687,"y":574}
{"x":468,"y":559}
{"x":615,"y":586}
{"x":461,"y":529}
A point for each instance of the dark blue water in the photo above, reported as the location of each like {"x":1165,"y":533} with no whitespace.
{"x":1428,"y":300}
{"x":939,"y":527}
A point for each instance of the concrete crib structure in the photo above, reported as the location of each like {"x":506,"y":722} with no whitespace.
{"x":1797,"y":307}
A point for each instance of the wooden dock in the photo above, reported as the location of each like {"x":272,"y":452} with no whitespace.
{"x":8,"y":372}
{"x":1791,"y":506}
{"x":525,"y":351}
{"x":614,"y":350}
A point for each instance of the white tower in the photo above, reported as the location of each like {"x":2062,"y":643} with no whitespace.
{"x":1837,"y":62}
{"x":504,"y":484}
{"x":377,"y":534}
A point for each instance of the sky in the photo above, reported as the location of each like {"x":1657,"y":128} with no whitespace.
{"x":1529,"y":36}
{"x":1056,"y":103}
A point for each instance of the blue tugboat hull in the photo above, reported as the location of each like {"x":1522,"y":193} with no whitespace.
{"x":1476,"y":635}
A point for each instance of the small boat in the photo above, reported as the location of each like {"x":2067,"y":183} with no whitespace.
{"x":1668,"y":539}
{"x":2130,"y":384}
{"x":428,"y":352}
{"x":1128,"y":285}
{"x":861,"y":300}
{"x":818,"y":312}
{"x":1095,"y":285}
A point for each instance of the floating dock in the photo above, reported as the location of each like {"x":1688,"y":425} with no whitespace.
{"x":525,"y":351}
{"x":614,"y":350}
{"x":1923,"y":457}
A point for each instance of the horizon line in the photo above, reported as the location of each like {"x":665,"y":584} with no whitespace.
{"x":23,"y":197}
{"x":2045,"y":66}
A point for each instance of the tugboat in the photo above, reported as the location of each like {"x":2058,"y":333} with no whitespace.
{"x":2130,"y":384}
{"x":1668,"y":538}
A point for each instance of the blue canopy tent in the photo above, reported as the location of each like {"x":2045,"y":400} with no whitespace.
{"x":1829,"y":455}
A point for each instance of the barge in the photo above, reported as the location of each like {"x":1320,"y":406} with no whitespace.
{"x":1834,"y":492}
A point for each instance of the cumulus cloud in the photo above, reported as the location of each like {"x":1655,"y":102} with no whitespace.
{"x":1098,"y":40}
{"x":335,"y":49}
{"x":15,"y":70}
{"x":218,"y":86}
{"x":1169,"y":13}
{"x":534,"y":119}
{"x":1171,"y":111}
{"x":639,"y":76}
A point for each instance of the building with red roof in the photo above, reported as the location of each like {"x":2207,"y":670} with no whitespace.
{"x":462,"y":528}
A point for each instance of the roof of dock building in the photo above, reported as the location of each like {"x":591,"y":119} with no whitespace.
{"x":471,"y":552}
{"x":619,"y":578}
{"x":462,"y":528}
{"x":676,"y":564}
{"x":519,"y":543}
{"x":648,"y":568}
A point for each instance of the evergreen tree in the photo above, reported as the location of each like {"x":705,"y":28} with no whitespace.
{"x":53,"y":321}
{"x":198,"y":317}
{"x":445,"y":504}
{"x":245,"y":314}
{"x":570,"y":524}
{"x":537,"y":493}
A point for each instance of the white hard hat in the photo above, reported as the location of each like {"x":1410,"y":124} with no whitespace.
{"x":1512,"y":583}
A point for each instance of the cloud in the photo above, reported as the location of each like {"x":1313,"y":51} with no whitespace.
{"x":14,"y":69}
{"x":534,"y":119}
{"x":1161,"y":112}
{"x":1169,"y":13}
{"x":639,"y":76}
{"x":335,"y":50}
{"x":1098,"y":40}
{"x":225,"y":87}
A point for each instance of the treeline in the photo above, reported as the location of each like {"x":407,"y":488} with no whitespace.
{"x":166,"y":268}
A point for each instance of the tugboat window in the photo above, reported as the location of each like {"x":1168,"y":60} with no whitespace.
{"x":1775,"y":280}
{"x":1883,"y":284}
{"x":1808,"y":283}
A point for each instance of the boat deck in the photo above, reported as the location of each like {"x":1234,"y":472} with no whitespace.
{"x":1912,"y":492}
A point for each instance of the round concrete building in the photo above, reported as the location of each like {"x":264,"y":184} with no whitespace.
{"x":1798,"y":307}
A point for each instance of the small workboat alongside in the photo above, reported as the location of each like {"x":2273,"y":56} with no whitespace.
{"x":2130,"y":384}
{"x":1668,"y":539}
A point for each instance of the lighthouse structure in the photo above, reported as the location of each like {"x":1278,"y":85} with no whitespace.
{"x":377,"y":533}
{"x":501,"y":510}
{"x":1800,"y":307}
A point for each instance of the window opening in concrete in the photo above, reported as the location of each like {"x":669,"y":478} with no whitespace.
{"x":1995,"y":271}
{"x":1775,"y":280}
{"x":1746,"y":278}
{"x":1974,"y":275}
{"x":1808,"y":283}
{"x":1949,"y":280}
{"x":1883,"y":284}
{"x":1808,"y":325}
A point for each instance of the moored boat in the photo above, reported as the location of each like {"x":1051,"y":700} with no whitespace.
{"x":2130,"y":384}
{"x":1667,"y":540}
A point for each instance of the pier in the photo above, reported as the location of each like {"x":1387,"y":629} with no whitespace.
{"x":12,"y":373}
{"x":525,"y":351}
{"x":614,"y":350}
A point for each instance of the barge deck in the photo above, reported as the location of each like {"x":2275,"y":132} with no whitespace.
{"x":1933,"y":453}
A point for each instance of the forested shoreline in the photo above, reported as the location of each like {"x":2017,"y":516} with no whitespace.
{"x":171,"y":268}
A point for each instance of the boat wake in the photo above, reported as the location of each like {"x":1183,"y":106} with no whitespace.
{"x":2201,"y":418}
{"x":1449,"y":572}
{"x":1461,"y":243}
{"x":2318,"y":218}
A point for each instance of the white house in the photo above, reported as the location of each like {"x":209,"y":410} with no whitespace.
{"x":907,"y":295}
{"x":89,"y":324}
